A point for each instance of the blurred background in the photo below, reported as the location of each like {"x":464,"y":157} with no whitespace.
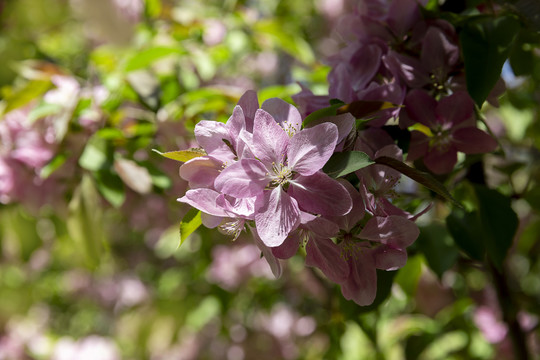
{"x":90,"y":262}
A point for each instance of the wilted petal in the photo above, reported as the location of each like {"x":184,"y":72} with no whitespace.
{"x":320,"y":194}
{"x":201,"y":171}
{"x":277,"y":215}
{"x":284,"y":113}
{"x":325,"y":255}
{"x":389,"y":258}
{"x":243,"y":179}
{"x":393,"y":230}
{"x":455,"y":109}
{"x":311,"y":148}
{"x":204,"y":200}
{"x":272,"y":261}
{"x":270,"y":141}
{"x":421,"y":107}
{"x":471,"y":140}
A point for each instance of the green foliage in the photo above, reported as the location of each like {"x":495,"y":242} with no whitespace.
{"x":191,"y":221}
{"x":343,"y":163}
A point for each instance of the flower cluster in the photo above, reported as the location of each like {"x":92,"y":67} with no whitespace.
{"x":263,"y":170}
{"x":393,"y":55}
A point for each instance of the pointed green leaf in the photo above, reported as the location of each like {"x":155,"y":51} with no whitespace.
{"x":29,"y":92}
{"x":321,"y":113}
{"x":419,"y":176}
{"x":191,"y":221}
{"x":182,"y":155}
{"x":465,"y":228}
{"x":343,"y":163}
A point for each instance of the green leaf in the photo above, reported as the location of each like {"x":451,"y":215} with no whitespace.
{"x":343,"y":163}
{"x":145,"y":58}
{"x":190,"y":223}
{"x":182,"y":155}
{"x":32,"y":90}
{"x":321,"y":113}
{"x":409,"y":275}
{"x":53,"y":165}
{"x":94,"y":156}
{"x":465,"y":228}
{"x":419,"y":176}
{"x":499,"y":223}
{"x":486,"y":42}
{"x":42,"y":110}
{"x":438,"y":248}
{"x":111,"y":187}
{"x":84,"y":222}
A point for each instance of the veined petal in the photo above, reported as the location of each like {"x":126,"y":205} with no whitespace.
{"x":243,"y":179}
{"x":249,"y":104}
{"x":277,"y":215}
{"x":210,"y":135}
{"x":455,"y":108}
{"x":421,"y":107}
{"x":392,"y":230}
{"x":204,"y":200}
{"x":201,"y":171}
{"x":236,"y":122}
{"x":344,"y":123}
{"x":243,"y":207}
{"x":361,"y":285}
{"x":311,"y":148}
{"x":210,"y":221}
{"x":270,"y":141}
{"x":320,"y":194}
{"x":441,"y":162}
{"x":285,"y":114}
{"x":289,"y":246}
{"x":325,"y":255}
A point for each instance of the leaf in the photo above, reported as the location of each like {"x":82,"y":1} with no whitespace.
{"x":145,"y":58}
{"x":182,"y":155}
{"x":465,"y":228}
{"x":321,"y":113}
{"x":437,"y":245}
{"x":32,"y":90}
{"x":343,"y":163}
{"x":419,"y":176}
{"x":486,"y":42}
{"x":111,"y":187}
{"x":133,"y":175}
{"x":409,"y":275}
{"x":53,"y":165}
{"x":94,"y":156}
{"x":84,"y":222}
{"x":191,"y":221}
{"x":499,"y":223}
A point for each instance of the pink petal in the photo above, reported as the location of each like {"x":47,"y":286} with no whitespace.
{"x":211,"y":221}
{"x":244,"y":207}
{"x":243,"y":179}
{"x":321,"y":227}
{"x":325,"y":255}
{"x":438,"y":53}
{"x":421,"y":107}
{"x":366,"y":62}
{"x":471,"y":140}
{"x":236,"y":122}
{"x":441,"y":162}
{"x":419,"y":145}
{"x":361,"y":285}
{"x":455,"y":109}
{"x":201,"y":171}
{"x":344,"y":123}
{"x":277,"y":215}
{"x":348,"y":221}
{"x":249,"y":104}
{"x":393,"y":230}
{"x":210,"y":136}
{"x":284,"y":113}
{"x":204,"y":200}
{"x":270,"y":141}
{"x":311,"y":148}
{"x":320,"y":194}
{"x":289,"y":246}
{"x":389,"y":258}
{"x":272,"y":261}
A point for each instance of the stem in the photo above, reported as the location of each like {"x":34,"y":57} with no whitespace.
{"x":510,"y":311}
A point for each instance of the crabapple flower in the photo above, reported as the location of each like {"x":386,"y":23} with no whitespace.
{"x":285,"y":176}
{"x":451,"y":129}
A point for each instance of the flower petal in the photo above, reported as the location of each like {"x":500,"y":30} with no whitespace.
{"x":311,"y":148}
{"x":471,"y":140}
{"x":270,"y":141}
{"x":284,"y":113}
{"x":393,"y":230}
{"x":249,"y":104}
{"x":243,"y":179}
{"x":455,"y":109}
{"x":272,"y":261}
{"x":201,"y":171}
{"x":289,"y":246}
{"x":210,"y":135}
{"x":389,"y":258}
{"x":325,"y":255}
{"x":204,"y":200}
{"x":361,"y":285}
{"x":320,"y":194}
{"x":277,"y":215}
{"x":421,"y":107}
{"x":441,"y":162}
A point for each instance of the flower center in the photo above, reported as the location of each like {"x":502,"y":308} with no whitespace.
{"x":280,"y":175}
